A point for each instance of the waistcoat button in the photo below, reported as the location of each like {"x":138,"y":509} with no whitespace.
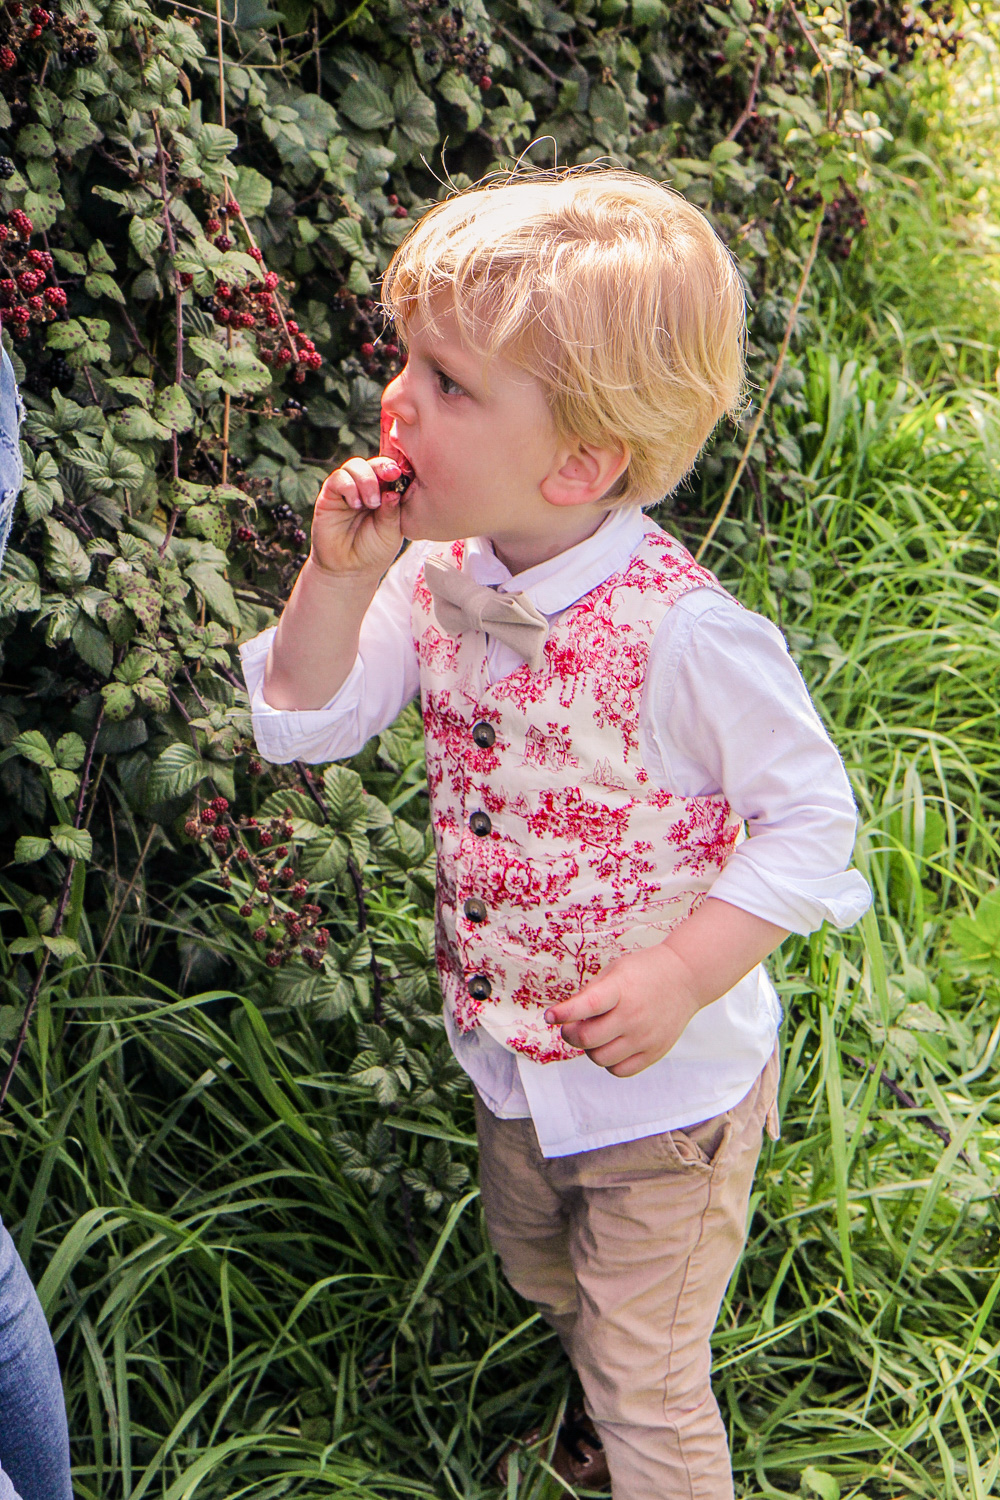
{"x":480,"y":987}
{"x":484,"y":734}
{"x":480,"y":824}
{"x":475,"y":909}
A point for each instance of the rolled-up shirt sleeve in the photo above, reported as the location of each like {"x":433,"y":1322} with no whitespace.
{"x":384,"y":678}
{"x":726,"y":709}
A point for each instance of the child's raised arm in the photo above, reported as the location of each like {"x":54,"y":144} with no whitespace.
{"x":355,"y":536}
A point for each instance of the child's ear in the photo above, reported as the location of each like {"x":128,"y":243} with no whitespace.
{"x":582,"y":472}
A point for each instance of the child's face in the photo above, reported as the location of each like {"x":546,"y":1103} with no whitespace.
{"x":483,"y":447}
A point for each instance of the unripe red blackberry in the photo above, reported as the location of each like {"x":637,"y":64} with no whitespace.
{"x":312,"y":958}
{"x":392,"y":199}
{"x":486,"y":82}
{"x":254,"y":768}
{"x":36,"y":304}
{"x":22,"y":223}
{"x":223,"y":315}
{"x":259,"y":934}
{"x":212,"y":226}
{"x":8,"y":59}
{"x":367,"y":350}
{"x":271,"y":281}
{"x":244,"y":534}
{"x":281,"y":851}
{"x":246,"y":910}
{"x":401,"y":212}
{"x":232,"y":207}
{"x":267,"y":839}
{"x":223,"y":242}
{"x":284,"y":356}
{"x":300,"y":889}
{"x":30,"y":281}
{"x":220,"y":833}
{"x":225,"y":881}
{"x":293,"y":327}
{"x":256,"y":254}
{"x":186,"y":279}
{"x":273,"y":959}
{"x":192,"y":828}
{"x":273,"y":320}
{"x":208,"y":815}
{"x":321,"y":937}
{"x":221,"y":804}
{"x":263,"y":884}
{"x":242,"y":855}
{"x":55,"y":296}
{"x":224,"y":290}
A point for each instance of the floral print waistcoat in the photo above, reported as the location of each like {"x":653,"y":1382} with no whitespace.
{"x":555,"y":852}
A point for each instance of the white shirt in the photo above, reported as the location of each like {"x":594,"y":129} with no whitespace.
{"x":724,"y":709}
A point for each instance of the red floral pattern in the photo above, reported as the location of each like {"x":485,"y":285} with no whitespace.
{"x":582,"y":859}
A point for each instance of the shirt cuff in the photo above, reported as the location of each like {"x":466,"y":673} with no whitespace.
{"x":286,"y":734}
{"x":796,"y":904}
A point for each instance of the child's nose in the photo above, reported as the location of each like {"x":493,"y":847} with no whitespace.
{"x":396,"y":402}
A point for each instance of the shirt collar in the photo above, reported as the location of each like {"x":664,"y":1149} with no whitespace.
{"x":560,"y":581}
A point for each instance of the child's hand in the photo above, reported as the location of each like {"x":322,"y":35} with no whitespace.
{"x":355,"y":528}
{"x":635,"y":1011}
{"x":632,"y":1015}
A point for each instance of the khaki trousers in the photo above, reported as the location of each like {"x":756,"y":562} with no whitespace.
{"x":627,"y":1252}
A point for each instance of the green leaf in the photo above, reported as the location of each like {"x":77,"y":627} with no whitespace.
{"x":415,"y":114}
{"x":25,"y":945}
{"x":134,"y":425}
{"x":76,"y":843}
{"x":212,"y":523}
{"x":64,"y":783}
{"x":253,"y":191}
{"x":146,"y":236}
{"x":119,"y":701}
{"x":98,"y":258}
{"x":216,"y":592}
{"x":30,"y":848}
{"x":42,"y":489}
{"x":344,"y":796}
{"x":367,"y":106}
{"x":63,"y":947}
{"x":350,"y":237}
{"x":818,"y":1482}
{"x":70,"y":751}
{"x":35,"y":140}
{"x":65,"y":558}
{"x":173,"y":409}
{"x":102,"y":285}
{"x":33,"y":745}
{"x":176,"y":771}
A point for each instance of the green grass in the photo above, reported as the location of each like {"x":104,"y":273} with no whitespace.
{"x":238,"y":1314}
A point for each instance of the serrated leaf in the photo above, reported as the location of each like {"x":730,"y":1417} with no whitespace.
{"x":101,"y":285}
{"x":25,"y":945}
{"x":76,"y":843}
{"x":119,"y":700}
{"x":64,"y":783}
{"x":216,"y":592}
{"x":30,"y":848}
{"x":70,"y":751}
{"x":33,"y":745}
{"x":176,"y":771}
{"x":146,"y":236}
{"x":367,"y":106}
{"x":173,"y":409}
{"x":350,"y":237}
{"x":253,"y":190}
{"x":65,"y":558}
{"x":134,"y":425}
{"x":63,"y":947}
{"x":344,"y":795}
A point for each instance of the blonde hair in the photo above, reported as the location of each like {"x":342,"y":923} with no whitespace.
{"x":609,"y":288}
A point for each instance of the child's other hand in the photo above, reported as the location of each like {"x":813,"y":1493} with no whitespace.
{"x":355,"y":528}
{"x":631,"y":1016}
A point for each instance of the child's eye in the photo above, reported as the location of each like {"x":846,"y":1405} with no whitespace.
{"x":447,"y":386}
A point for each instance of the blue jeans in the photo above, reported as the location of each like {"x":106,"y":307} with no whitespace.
{"x":34,"y":1442}
{"x":11,"y":468}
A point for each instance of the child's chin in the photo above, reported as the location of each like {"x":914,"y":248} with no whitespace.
{"x":416,"y":526}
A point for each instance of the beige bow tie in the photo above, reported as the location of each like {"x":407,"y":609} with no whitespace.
{"x":462,"y":604}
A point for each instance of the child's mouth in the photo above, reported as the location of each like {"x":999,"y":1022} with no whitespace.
{"x":389,"y":448}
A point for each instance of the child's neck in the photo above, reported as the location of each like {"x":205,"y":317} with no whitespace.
{"x":519,"y":553}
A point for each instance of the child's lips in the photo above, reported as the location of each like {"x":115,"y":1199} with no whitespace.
{"x":389,"y":448}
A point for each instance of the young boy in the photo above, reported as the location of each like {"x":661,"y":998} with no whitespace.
{"x":604,"y":724}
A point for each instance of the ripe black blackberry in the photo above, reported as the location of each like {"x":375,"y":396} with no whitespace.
{"x":6,"y":168}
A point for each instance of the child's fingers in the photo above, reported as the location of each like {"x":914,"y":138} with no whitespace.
{"x":632,"y":1065}
{"x":593,"y":1000}
{"x":366,"y":483}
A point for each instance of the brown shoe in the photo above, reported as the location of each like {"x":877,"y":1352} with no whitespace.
{"x":578,"y":1456}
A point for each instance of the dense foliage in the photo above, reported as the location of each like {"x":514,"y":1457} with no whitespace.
{"x":241,"y":1155}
